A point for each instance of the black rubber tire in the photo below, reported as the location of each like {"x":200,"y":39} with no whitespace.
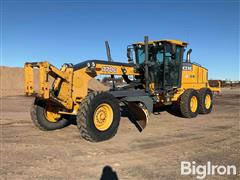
{"x":202,"y":95}
{"x":86,"y":111}
{"x":185,"y":103}
{"x":40,"y":121}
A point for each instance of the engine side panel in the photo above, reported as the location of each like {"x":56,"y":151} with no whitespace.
{"x":194,"y":76}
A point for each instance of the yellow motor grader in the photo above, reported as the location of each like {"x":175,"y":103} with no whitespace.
{"x":155,"y":75}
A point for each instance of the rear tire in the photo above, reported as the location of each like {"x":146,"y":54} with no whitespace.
{"x":96,"y":129}
{"x":206,"y":101}
{"x":189,"y":103}
{"x":41,"y":122}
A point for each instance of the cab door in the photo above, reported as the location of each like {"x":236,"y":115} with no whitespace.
{"x":172,"y":66}
{"x":158,"y":69}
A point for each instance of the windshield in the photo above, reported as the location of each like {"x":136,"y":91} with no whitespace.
{"x":152,"y":54}
{"x":156,"y":54}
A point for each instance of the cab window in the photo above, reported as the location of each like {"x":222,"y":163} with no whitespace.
{"x":140,"y":55}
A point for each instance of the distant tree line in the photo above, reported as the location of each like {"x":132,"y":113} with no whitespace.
{"x":224,"y":83}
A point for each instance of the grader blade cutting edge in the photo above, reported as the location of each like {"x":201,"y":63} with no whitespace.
{"x":138,"y":115}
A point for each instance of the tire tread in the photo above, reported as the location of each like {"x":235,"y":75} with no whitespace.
{"x":82,"y":118}
{"x":184,"y":103}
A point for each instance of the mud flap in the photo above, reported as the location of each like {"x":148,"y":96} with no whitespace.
{"x":138,"y":115}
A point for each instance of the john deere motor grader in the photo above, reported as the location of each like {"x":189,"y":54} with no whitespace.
{"x":159,"y":77}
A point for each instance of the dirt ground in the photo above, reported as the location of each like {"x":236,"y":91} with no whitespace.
{"x":156,"y":153}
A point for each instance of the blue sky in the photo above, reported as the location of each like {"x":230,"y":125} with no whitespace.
{"x":74,"y":31}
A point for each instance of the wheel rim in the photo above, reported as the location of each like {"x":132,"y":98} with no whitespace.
{"x":208,"y":101}
{"x":103,"y":117}
{"x":193,"y":104}
{"x":51,"y":114}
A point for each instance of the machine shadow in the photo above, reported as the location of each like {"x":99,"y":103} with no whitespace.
{"x":108,"y":174}
{"x":171,"y":109}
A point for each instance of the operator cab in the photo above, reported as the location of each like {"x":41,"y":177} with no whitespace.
{"x":164,"y":62}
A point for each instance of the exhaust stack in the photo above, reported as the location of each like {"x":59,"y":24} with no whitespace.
{"x":109,"y":60}
{"x":146,"y":74}
{"x":108,"y":51}
{"x":188,"y":55}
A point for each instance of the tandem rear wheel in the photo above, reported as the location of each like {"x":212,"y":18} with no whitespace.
{"x":195,"y":102}
{"x":189,"y":103}
{"x":206,"y":101}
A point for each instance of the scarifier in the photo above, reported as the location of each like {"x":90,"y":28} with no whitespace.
{"x":156,"y":75}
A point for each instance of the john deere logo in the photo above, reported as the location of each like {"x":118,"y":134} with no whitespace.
{"x":187,"y":68}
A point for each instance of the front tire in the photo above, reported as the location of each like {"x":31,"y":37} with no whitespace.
{"x":41,"y":117}
{"x":189,"y":103}
{"x":98,"y":117}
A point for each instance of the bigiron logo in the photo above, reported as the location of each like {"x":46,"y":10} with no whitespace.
{"x":202,"y":171}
